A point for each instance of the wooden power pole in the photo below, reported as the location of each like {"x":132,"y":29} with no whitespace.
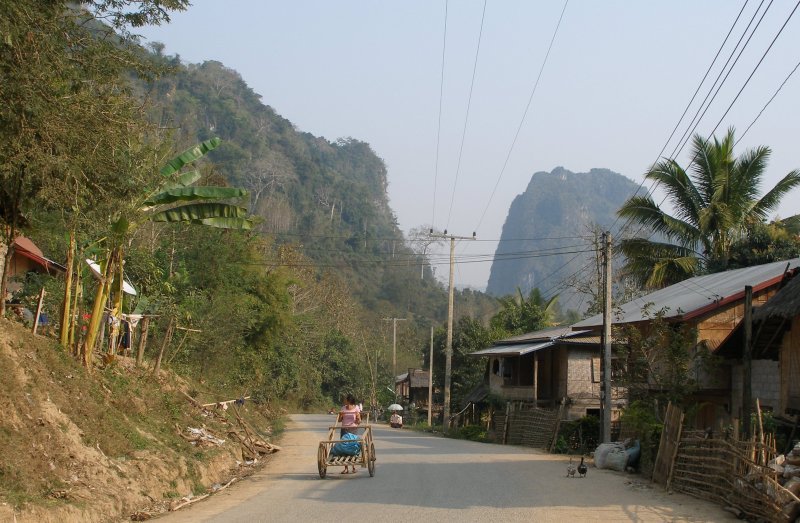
{"x":448,"y":352}
{"x":607,"y":337}
{"x":747,"y":363}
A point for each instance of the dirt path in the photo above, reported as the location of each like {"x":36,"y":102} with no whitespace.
{"x":420,"y":477}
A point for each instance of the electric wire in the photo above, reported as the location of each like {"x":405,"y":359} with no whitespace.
{"x":466,"y":118}
{"x":694,"y":122}
{"x":688,"y":105}
{"x":698,"y":117}
{"x":389,"y":263}
{"x":524,"y":115}
{"x":752,"y":73}
{"x":439,"y":125}
{"x":766,"y":104}
{"x":421,"y":240}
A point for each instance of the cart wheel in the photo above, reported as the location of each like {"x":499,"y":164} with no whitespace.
{"x":371,"y":460}
{"x":322,"y":456}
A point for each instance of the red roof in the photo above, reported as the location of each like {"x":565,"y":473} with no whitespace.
{"x":24,"y":247}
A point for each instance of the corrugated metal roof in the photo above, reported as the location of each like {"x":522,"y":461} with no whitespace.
{"x":697,"y":295}
{"x":540,"y":335}
{"x":512,"y":350}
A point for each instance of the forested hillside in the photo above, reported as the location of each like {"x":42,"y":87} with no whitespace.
{"x":289,"y":310}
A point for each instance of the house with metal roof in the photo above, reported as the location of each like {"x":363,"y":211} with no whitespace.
{"x":412,"y":387}
{"x":547,"y":366}
{"x":713,"y":305}
{"x":774,"y":353}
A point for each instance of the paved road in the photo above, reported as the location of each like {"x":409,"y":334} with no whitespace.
{"x":425,"y":478}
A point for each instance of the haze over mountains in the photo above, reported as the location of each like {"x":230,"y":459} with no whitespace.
{"x":550,"y":226}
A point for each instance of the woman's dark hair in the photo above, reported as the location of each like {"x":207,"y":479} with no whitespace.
{"x":350,"y":399}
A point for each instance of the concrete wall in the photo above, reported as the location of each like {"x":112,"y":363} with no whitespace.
{"x":765,"y":386}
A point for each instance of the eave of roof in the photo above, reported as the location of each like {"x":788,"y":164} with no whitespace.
{"x":698,"y":296}
{"x":41,"y":260}
{"x":519,"y":349}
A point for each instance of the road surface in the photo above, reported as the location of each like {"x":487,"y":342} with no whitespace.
{"x":421,"y":478}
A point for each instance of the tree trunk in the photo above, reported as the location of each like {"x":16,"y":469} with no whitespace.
{"x":164,"y":345}
{"x":6,"y":269}
{"x":101,"y":297}
{"x":142,"y":340}
{"x":66,"y":306}
{"x":116,"y":311}
{"x":73,"y":342}
{"x":12,"y":235}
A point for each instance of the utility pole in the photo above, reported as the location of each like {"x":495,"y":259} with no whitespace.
{"x":430,"y":383}
{"x":449,"y":347}
{"x":747,"y":362}
{"x":606,"y":397}
{"x":394,"y":349}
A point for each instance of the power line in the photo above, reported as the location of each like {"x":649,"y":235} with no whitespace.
{"x":689,"y":131}
{"x":752,"y":73}
{"x":694,"y":122}
{"x":466,"y":118}
{"x":390,"y":263}
{"x":439,"y":126}
{"x":524,"y":114}
{"x":426,"y":239}
{"x":697,"y":90}
{"x":767,"y":104}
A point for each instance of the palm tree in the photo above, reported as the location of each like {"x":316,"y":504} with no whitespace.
{"x":520,"y":315}
{"x":713,"y":205}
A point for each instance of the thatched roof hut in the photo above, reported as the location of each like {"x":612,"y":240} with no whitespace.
{"x":784,"y":305}
{"x":772,"y":319}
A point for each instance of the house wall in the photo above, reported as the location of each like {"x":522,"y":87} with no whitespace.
{"x":790,"y":368}
{"x":714,"y":328}
{"x":764,"y":386}
{"x":582,"y":389}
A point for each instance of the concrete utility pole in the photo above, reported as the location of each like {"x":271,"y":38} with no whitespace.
{"x":430,"y":383}
{"x":606,"y":337}
{"x":449,"y":346}
{"x":394,"y":348}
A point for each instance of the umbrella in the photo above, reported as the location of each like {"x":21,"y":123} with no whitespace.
{"x":394,"y":406}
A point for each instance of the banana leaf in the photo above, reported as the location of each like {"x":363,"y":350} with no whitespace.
{"x":187,"y":194}
{"x":242,"y":224}
{"x":197,"y":212}
{"x":189,"y":155}
{"x":184,"y":180}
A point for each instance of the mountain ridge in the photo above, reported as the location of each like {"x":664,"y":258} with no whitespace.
{"x":549,"y":227}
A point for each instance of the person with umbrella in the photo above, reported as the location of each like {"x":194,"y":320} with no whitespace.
{"x":396,"y":420}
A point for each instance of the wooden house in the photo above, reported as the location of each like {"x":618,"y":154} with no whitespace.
{"x":712,"y":305}
{"x":412,"y":387}
{"x":546,"y":367}
{"x":775,"y":352}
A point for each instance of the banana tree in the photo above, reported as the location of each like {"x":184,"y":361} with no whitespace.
{"x":176,"y":201}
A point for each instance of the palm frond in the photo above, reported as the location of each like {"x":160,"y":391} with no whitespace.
{"x":769,"y":201}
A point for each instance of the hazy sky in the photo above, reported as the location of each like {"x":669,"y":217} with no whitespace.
{"x":618,"y":78}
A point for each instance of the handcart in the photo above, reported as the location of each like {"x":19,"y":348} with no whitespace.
{"x":364,"y":458}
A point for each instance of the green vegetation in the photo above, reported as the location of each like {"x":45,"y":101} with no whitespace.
{"x":716,"y":207}
{"x":288,"y":312}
